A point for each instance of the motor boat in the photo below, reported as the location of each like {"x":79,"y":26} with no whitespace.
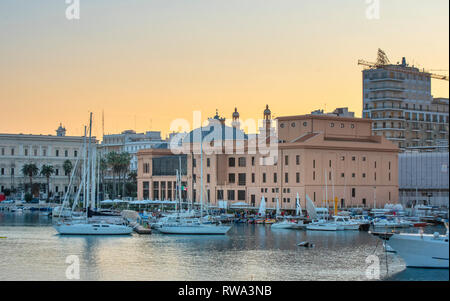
{"x":192,"y":227}
{"x":419,"y":250}
{"x":346,"y":222}
{"x":323,"y":225}
{"x":395,"y":223}
{"x":92,"y":229}
{"x":283,"y":225}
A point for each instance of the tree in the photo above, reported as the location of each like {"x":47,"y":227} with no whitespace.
{"x":124,"y":159}
{"x":47,"y":171}
{"x":113,"y":160}
{"x":103,"y":168}
{"x":30,"y":170}
{"x":67,"y":166}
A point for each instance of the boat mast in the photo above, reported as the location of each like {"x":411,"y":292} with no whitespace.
{"x":88,"y":165}
{"x":84,"y":167}
{"x":326,"y":188}
{"x":201,"y":175}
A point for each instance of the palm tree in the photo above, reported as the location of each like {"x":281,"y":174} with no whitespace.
{"x":47,"y":171}
{"x":30,"y":170}
{"x":113,"y":160}
{"x":67,"y":166}
{"x":103,"y":167}
{"x":124,"y":159}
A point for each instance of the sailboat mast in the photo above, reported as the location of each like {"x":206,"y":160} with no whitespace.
{"x":84,"y":167}
{"x":201,"y":175}
{"x":88,"y":165}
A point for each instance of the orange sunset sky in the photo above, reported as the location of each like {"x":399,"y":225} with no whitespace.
{"x":148,"y":62}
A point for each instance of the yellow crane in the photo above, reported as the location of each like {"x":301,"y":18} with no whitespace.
{"x":383,"y":63}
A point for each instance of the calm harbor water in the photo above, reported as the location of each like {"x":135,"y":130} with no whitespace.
{"x":32,"y":250}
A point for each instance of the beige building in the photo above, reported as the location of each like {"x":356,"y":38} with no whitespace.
{"x":19,"y":149}
{"x":402,"y":108}
{"x":318,"y":155}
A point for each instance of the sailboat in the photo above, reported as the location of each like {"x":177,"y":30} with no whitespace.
{"x":84,"y":226}
{"x":285,"y":224}
{"x":194,"y":226}
{"x":319,"y":224}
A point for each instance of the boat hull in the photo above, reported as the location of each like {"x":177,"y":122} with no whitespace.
{"x":195,"y":230}
{"x":324,"y":227}
{"x":283,"y":226}
{"x":93,"y":229}
{"x":420,"y":251}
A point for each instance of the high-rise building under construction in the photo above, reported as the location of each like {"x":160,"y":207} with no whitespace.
{"x":397,"y":97}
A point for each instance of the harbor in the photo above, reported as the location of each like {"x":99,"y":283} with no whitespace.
{"x":32,"y":250}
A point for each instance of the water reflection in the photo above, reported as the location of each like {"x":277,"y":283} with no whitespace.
{"x":34,"y":251}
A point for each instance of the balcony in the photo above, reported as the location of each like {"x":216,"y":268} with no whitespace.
{"x":387,"y":98}
{"x":398,"y":118}
{"x":389,"y":129}
{"x":387,"y":88}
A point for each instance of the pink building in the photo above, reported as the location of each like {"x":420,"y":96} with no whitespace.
{"x":316,"y":155}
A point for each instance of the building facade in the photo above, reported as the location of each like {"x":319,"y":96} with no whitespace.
{"x":17,"y":150}
{"x":423,"y":178}
{"x":319,"y":155}
{"x":400,"y":103}
{"x":131,"y":142}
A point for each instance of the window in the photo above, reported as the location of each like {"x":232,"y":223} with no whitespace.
{"x":242,"y":179}
{"x":231,"y":162}
{"x":363,"y":175}
{"x":297,"y":159}
{"x":75,"y":153}
{"x":353,"y":192}
{"x":220,"y":194}
{"x":230,"y":194}
{"x":194,"y":162}
{"x":314,"y":175}
{"x":231,"y":178}
{"x":264,"y":177}
{"x":286,"y":177}
{"x":57,"y":172}
{"x":343,"y":158}
{"x":253,"y":161}
{"x":342,"y":175}
{"x":57,"y":153}
{"x":314,"y":163}
{"x":208,"y":178}
{"x":342,"y":125}
{"x":253,"y":177}
{"x":275,"y":177}
{"x":3,"y":151}
{"x":332,"y":125}
{"x":208,"y":162}
{"x":353,"y":175}
{"x":241,"y":162}
{"x":329,"y":163}
{"x":194,"y":178}
{"x":66,"y":153}
{"x":364,"y":158}
{"x":12,"y":151}
{"x":146,"y":168}
{"x":26,"y":152}
{"x":375,"y":164}
{"x":364,"y":202}
{"x":241,"y":195}
{"x":305,"y":123}
{"x":389,"y":165}
{"x":353,"y":158}
{"x":12,"y":171}
{"x":2,"y":171}
{"x":286,"y":160}
{"x":297,"y":177}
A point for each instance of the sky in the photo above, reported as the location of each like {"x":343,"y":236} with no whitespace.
{"x":145,"y":63}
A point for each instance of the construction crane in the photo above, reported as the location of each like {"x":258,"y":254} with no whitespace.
{"x":383,"y":63}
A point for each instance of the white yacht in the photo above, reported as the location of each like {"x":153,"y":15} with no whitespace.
{"x":419,"y":250}
{"x":92,"y":229}
{"x":285,"y":224}
{"x":395,"y":223}
{"x":323,"y":225}
{"x":192,"y":226}
{"x":346,"y":222}
{"x":86,"y":226}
